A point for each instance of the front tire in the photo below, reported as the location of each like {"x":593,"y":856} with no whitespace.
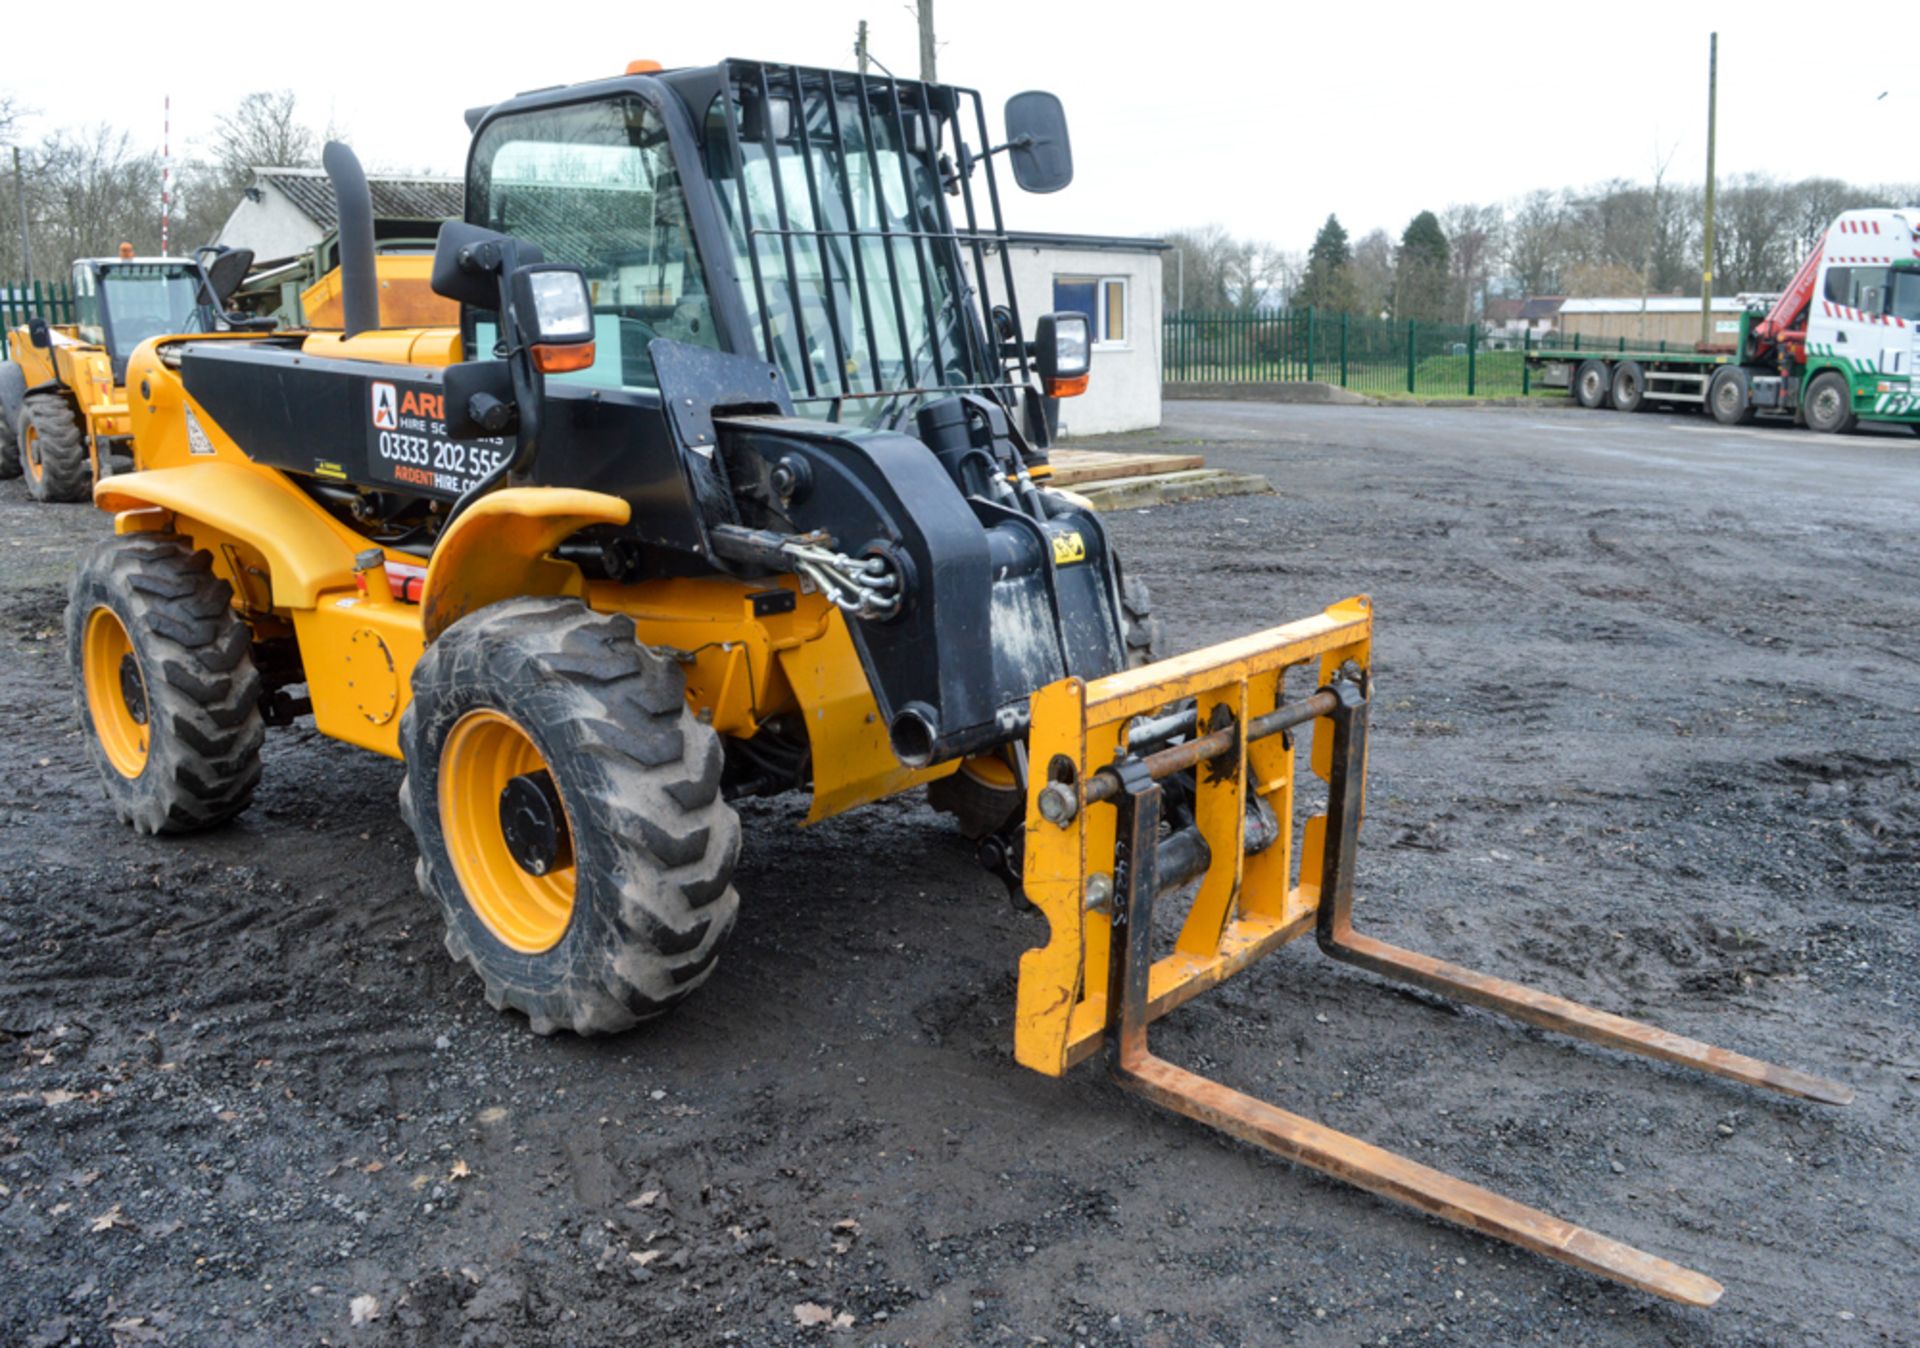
{"x":1829,"y":404}
{"x":568,"y":813}
{"x":13,"y":394}
{"x":164,"y":683}
{"x":53,"y":447}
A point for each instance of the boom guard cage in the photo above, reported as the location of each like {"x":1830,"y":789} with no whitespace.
{"x":857,"y":140}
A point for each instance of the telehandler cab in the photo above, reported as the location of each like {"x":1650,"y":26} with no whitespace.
{"x":733,"y":479}
{"x":63,"y":396}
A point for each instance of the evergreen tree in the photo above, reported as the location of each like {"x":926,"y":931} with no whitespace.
{"x":1326,"y":282}
{"x":1420,"y":271}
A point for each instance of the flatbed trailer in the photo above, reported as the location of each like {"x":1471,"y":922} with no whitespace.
{"x":1664,"y":374}
{"x":1838,"y":347}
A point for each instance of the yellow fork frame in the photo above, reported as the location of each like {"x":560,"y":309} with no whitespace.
{"x":1247,"y":906}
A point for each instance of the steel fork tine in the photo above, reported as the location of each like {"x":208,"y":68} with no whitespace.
{"x":1299,"y":1139}
{"x":1338,"y":939}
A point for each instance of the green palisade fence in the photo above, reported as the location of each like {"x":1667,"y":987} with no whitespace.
{"x":52,"y":300}
{"x":1368,"y":355}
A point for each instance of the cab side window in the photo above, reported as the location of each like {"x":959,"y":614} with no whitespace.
{"x":86,"y":307}
{"x":1862,"y":288}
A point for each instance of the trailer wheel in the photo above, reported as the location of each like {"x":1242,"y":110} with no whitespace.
{"x":1730,"y":397}
{"x":13,"y":395}
{"x":567,"y":808}
{"x":1629,"y":387}
{"x":54,"y":448}
{"x":1591,"y":384}
{"x":1829,"y":404}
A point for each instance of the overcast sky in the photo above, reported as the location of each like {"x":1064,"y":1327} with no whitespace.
{"x":1262,"y":117}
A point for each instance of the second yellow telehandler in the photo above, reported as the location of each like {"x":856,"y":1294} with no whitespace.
{"x":63,"y":397}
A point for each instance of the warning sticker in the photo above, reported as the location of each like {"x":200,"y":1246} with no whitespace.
{"x":407,"y":442}
{"x":1069,"y":547}
{"x":197,"y":441}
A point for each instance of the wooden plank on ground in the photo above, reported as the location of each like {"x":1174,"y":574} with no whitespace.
{"x":1071,"y":466}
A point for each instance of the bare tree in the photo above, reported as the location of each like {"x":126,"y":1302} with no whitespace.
{"x":264,"y":130}
{"x":1755,"y":246}
{"x":88,"y":191}
{"x":1370,"y":274}
{"x":1476,"y":236}
{"x":1536,"y":242}
{"x":1224,"y":272}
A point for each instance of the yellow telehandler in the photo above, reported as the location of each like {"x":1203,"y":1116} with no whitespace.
{"x":63,"y":397}
{"x":732,"y":478}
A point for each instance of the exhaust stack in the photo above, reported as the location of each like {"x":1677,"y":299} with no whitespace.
{"x":359,"y":286}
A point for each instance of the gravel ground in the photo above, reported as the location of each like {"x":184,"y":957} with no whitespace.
{"x":1645,"y":735}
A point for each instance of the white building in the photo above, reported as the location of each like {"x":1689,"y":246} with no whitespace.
{"x":1116,"y":283}
{"x":288,"y":210}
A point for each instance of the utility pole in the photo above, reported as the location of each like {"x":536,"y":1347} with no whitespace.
{"x":923,"y":10}
{"x":1706,"y":250}
{"x":860,"y":46}
{"x":20,"y":199}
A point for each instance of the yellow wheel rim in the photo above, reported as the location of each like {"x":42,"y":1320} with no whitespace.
{"x":116,"y":691}
{"x":30,"y":451}
{"x":485,"y":751}
{"x":990,"y":770}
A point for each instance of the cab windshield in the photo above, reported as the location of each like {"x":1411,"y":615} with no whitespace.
{"x":594,"y":185}
{"x":1904,"y":299}
{"x":121,"y":304}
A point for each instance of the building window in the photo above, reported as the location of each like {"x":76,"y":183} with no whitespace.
{"x":1103,"y":299}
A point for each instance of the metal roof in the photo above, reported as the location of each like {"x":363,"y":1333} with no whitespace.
{"x":1651,"y":304}
{"x":418,"y":198}
{"x":1113,"y":243}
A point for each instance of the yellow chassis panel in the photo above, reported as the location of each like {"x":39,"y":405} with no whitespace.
{"x":1245,"y":906}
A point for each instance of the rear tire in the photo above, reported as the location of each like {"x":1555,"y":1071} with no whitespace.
{"x":13,"y":393}
{"x":1592,"y":383}
{"x":54,"y":449}
{"x":1730,"y":397}
{"x":164,"y":683}
{"x":1628,"y":390}
{"x":1829,"y":404}
{"x":625,"y":914}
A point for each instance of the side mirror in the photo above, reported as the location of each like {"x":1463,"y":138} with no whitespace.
{"x":553,"y":312}
{"x":1063,"y":349}
{"x":1037,"y":142}
{"x":39,"y":333}
{"x":468,"y":261}
{"x":225,"y":273}
{"x":479,"y":399}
